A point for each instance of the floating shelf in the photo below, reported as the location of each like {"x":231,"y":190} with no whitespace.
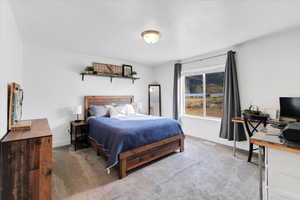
{"x":111,"y":76}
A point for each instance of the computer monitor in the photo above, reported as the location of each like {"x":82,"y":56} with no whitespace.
{"x":290,"y":107}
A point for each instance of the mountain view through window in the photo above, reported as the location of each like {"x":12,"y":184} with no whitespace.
{"x":208,"y":101}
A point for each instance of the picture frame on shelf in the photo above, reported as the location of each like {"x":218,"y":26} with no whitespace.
{"x":126,"y":70}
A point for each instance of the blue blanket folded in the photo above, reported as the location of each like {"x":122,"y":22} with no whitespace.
{"x":118,"y":135}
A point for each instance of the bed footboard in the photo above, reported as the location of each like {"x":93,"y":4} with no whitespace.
{"x":145,"y":154}
{"x":134,"y":158}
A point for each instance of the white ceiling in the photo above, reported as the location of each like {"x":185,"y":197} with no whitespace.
{"x":188,"y":27}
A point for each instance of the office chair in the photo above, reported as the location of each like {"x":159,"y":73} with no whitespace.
{"x":252,"y":123}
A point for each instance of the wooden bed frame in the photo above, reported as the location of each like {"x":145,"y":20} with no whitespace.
{"x":133,"y":158}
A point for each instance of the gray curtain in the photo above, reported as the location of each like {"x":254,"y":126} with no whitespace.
{"x":232,"y":107}
{"x":177,"y":74}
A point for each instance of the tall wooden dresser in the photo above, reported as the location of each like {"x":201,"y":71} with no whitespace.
{"x":26,"y":163}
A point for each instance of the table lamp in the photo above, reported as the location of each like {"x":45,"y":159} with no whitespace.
{"x":77,"y":110}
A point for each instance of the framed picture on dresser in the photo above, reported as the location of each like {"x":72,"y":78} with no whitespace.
{"x":14,"y":112}
{"x":15,"y":101}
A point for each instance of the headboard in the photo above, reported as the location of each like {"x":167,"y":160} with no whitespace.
{"x":104,"y":100}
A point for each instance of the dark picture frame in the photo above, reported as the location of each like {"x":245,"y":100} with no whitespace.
{"x":126,"y":70}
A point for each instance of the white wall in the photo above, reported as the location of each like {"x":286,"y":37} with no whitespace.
{"x":11,"y":60}
{"x":268,"y":67}
{"x":164,"y":75}
{"x":53,"y":85}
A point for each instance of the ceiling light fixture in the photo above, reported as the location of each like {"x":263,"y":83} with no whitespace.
{"x":151,"y":36}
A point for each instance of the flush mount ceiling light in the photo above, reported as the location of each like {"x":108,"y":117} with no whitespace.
{"x":151,"y":36}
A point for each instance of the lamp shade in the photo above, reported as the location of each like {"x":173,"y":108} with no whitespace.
{"x":77,"y":110}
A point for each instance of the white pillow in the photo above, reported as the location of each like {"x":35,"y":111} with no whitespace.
{"x":126,"y":109}
{"x":115,"y":112}
{"x":121,"y":110}
{"x":130,"y":109}
{"x":98,"y":111}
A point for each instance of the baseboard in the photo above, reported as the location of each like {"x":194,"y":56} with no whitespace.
{"x":220,"y":144}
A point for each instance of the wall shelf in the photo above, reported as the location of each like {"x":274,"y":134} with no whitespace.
{"x":111,"y":76}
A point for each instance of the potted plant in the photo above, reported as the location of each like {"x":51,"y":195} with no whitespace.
{"x":89,"y":69}
{"x":133,"y":73}
{"x":253,"y":110}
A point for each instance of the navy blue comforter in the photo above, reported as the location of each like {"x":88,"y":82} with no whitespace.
{"x":124,"y":133}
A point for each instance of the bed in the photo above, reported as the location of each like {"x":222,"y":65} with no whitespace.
{"x":131,"y":141}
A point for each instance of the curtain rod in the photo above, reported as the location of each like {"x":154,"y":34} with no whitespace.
{"x":197,"y":60}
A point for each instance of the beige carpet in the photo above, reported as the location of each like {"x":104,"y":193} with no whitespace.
{"x":203,"y":172}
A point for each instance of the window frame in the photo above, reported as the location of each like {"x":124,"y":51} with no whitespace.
{"x":195,"y":72}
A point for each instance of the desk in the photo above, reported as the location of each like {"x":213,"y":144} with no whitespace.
{"x":236,"y":120}
{"x":279,"y":179}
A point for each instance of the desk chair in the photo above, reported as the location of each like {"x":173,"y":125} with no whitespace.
{"x":252,"y":123}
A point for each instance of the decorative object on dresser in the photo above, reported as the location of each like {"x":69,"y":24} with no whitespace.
{"x":154,"y":98}
{"x":127,"y":70}
{"x":79,"y":134}
{"x":14,"y":114}
{"x":135,"y":157}
{"x":77,"y":110}
{"x":26,"y":163}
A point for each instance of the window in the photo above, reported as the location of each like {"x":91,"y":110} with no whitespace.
{"x":194,"y":95}
{"x":204,"y":94}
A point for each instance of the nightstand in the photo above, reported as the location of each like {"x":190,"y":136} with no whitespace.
{"x":79,"y":134}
